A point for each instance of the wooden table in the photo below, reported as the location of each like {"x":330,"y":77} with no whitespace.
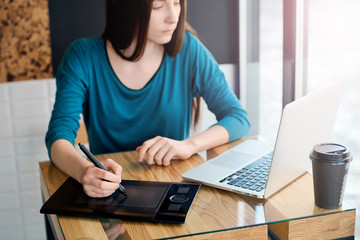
{"x":215,"y":213}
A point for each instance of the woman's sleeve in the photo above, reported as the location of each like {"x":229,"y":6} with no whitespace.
{"x":209,"y":83}
{"x":71,"y":92}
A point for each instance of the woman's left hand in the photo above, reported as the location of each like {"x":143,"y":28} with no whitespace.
{"x":161,"y":150}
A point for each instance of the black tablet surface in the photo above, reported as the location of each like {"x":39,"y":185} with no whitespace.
{"x":146,"y":201}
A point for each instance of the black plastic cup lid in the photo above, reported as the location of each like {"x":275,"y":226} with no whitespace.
{"x":330,"y":152}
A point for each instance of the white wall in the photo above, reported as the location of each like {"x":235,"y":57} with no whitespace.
{"x":25,"y":109}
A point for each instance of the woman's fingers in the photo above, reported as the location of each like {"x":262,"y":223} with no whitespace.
{"x":100,"y":183}
{"x":114,"y":168}
{"x":143,"y":149}
{"x":161,"y":150}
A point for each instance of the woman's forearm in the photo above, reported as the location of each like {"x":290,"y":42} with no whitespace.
{"x":67,"y":159}
{"x":212,"y":137}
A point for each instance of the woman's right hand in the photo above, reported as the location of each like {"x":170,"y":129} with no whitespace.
{"x":93,"y":179}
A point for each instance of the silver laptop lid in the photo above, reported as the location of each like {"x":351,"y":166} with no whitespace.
{"x":304,"y":123}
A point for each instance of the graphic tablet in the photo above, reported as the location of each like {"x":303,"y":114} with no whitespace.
{"x":146,"y":201}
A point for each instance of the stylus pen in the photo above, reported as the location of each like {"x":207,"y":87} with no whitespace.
{"x":98,"y":164}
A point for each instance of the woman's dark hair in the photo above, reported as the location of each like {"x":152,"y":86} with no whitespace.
{"x":128,"y":20}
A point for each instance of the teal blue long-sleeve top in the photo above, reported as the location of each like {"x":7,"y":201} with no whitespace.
{"x":120,"y":119}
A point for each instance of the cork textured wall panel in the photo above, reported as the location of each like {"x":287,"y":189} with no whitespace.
{"x":25,"y":51}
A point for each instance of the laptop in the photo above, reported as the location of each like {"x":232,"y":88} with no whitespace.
{"x":259,"y":169}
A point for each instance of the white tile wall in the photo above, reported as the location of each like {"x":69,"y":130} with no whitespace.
{"x":5,"y":129}
{"x":6,"y":147}
{"x":4,"y":110}
{"x":9,"y":200}
{"x":4,"y":93}
{"x":29,"y":90}
{"x":11,"y":232}
{"x":13,"y":218}
{"x":25,"y":109}
{"x":8,"y":183}
{"x":8,"y":165}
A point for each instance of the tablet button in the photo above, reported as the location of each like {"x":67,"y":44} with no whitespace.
{"x":183,"y":190}
{"x":174,"y":207}
{"x":179,"y":198}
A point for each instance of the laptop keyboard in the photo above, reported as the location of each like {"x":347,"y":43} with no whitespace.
{"x":253,"y":176}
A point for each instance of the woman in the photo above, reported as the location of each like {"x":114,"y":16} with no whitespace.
{"x":135,"y":88}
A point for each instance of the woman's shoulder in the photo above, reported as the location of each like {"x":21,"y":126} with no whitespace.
{"x":192,"y":44}
{"x":82,"y":52}
{"x":87,"y":43}
{"x":190,"y":39}
{"x":195,"y":48}
{"x":85,"y":48}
